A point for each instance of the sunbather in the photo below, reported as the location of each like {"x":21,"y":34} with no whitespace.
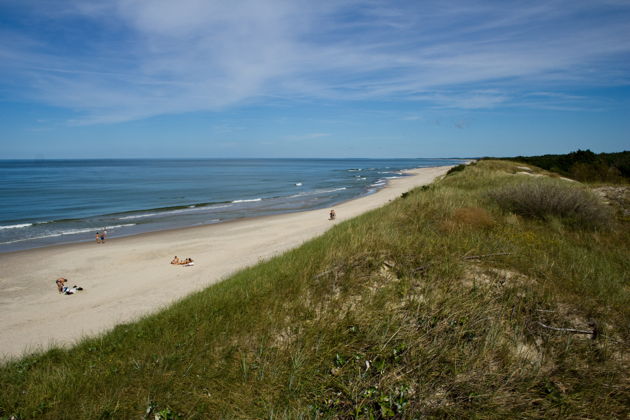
{"x":60,"y":284}
{"x":188,"y":262}
{"x":62,"y":288}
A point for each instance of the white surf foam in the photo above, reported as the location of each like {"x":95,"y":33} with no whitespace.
{"x":139,"y":216}
{"x":21,"y":225}
{"x":188,"y":209}
{"x":67,"y":232}
{"x":379,"y":183}
{"x":247,"y":201}
{"x":316,"y":192}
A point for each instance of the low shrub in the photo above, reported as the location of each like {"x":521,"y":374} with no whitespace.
{"x":457,"y":168}
{"x":542,"y":199}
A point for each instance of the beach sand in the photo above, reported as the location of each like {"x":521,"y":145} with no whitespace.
{"x":130,"y":277}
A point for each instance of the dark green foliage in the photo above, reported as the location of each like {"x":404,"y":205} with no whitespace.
{"x":584,"y":165}
{"x":455,"y":169}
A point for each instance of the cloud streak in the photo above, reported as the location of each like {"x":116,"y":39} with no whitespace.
{"x":123,"y":60}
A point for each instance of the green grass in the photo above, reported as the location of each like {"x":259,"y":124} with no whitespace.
{"x":383,"y":316}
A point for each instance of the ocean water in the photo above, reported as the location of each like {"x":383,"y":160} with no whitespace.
{"x":47,"y":202}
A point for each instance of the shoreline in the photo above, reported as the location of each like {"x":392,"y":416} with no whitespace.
{"x":129,"y":277}
{"x":182,"y":228}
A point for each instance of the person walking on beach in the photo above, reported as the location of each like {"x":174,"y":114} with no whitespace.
{"x":103,"y":237}
{"x":332,"y":214}
{"x":98,"y":238}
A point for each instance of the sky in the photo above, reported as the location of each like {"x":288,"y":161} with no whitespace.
{"x":343,"y":78}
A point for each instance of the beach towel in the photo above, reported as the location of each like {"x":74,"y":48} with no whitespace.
{"x":71,"y":291}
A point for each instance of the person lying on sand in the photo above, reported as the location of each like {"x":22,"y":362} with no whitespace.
{"x":187,"y":262}
{"x":62,"y":288}
{"x":60,"y":284}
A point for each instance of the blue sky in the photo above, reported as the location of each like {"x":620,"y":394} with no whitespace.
{"x":199,"y":78}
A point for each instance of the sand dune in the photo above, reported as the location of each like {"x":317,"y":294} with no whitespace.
{"x":130,"y":277}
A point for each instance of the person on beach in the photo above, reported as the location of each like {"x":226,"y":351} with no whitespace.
{"x":186,"y":262}
{"x":60,"y":284}
{"x":103,"y":237}
{"x":62,"y":288}
{"x":98,"y":238}
{"x":332,"y":215}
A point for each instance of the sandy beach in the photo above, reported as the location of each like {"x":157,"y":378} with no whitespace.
{"x":130,"y":277}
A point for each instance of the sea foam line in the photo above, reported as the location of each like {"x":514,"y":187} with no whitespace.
{"x":189,"y":209}
{"x":139,"y":216}
{"x":247,"y":201}
{"x":21,"y":225}
{"x":66,"y":232}
{"x":316,"y":192}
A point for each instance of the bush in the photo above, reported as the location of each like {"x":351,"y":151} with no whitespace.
{"x":542,"y":199}
{"x":457,"y":168}
{"x":584,"y":165}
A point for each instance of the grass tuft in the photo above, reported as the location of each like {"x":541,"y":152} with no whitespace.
{"x":546,"y":199}
{"x":476,"y":217}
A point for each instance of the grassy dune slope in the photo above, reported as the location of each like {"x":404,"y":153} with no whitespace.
{"x":431,"y":306}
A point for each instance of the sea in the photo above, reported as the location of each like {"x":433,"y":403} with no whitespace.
{"x":50,"y":202}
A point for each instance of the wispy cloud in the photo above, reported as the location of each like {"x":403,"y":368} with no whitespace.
{"x":308,"y":136}
{"x":464,"y":100}
{"x":122,"y":60}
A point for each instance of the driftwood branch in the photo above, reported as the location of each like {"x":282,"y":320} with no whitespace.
{"x":335,"y":268}
{"x":593,"y":332}
{"x":390,"y":338}
{"x":323,"y":273}
{"x":421,"y":268}
{"x":473,"y":257}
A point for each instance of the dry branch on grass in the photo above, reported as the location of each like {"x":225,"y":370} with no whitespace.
{"x":473,"y":257}
{"x":592,"y":332}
